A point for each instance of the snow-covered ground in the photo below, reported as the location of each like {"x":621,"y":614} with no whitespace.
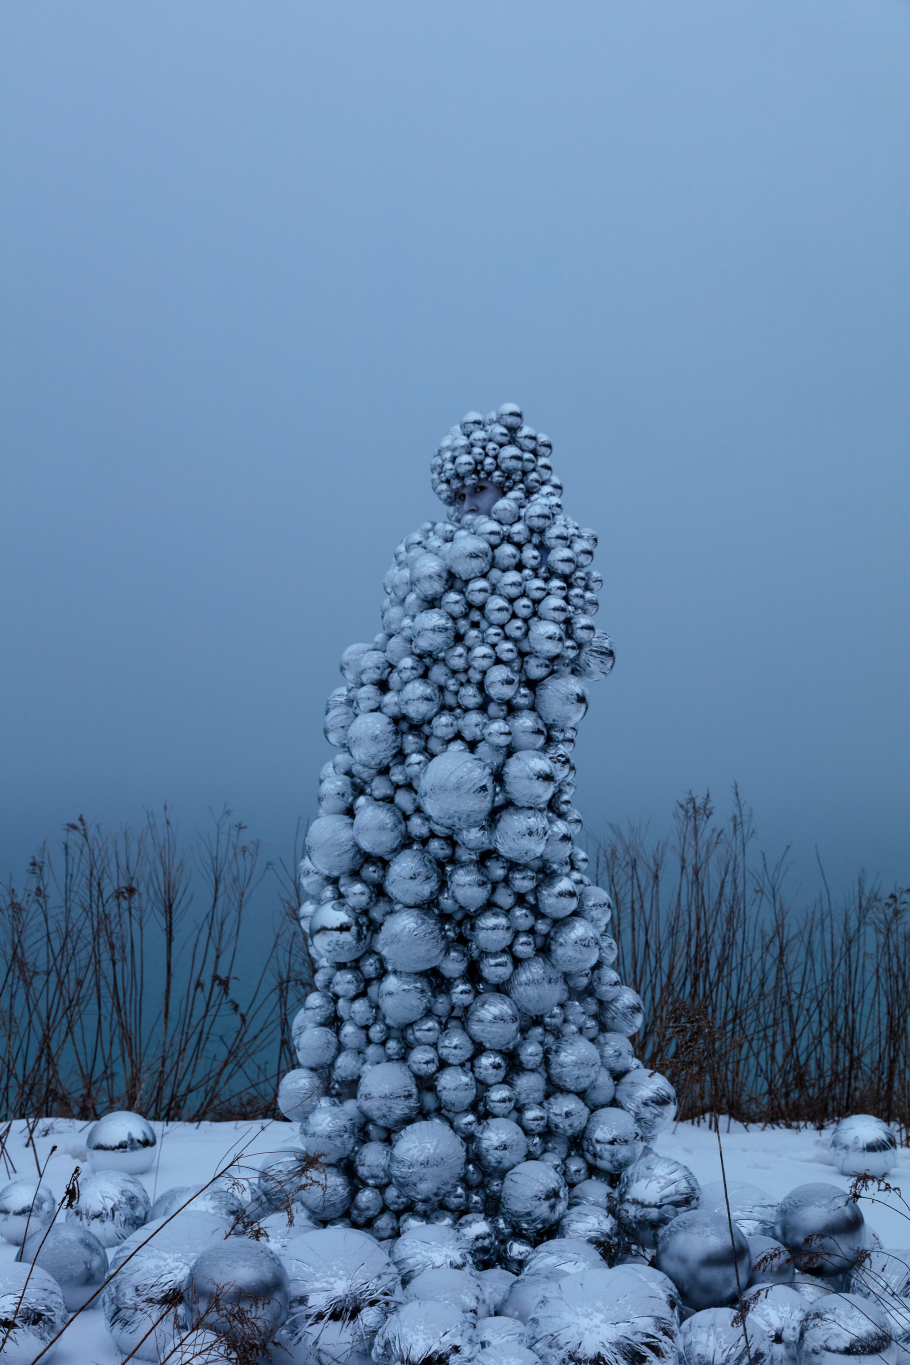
{"x":775,"y":1159}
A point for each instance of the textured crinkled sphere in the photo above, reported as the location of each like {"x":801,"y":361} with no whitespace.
{"x":652,"y":1191}
{"x":337,"y":932}
{"x":521,"y":833}
{"x":455,"y":1089}
{"x":329,"y":1132}
{"x":411,"y":940}
{"x":561,"y":701}
{"x":536,"y":985}
{"x":316,"y":1047}
{"x":771,"y":1261}
{"x":24,"y":1206}
{"x":469,"y":885}
{"x":412,"y":877}
{"x":404,"y":997}
{"x":708,"y":1267}
{"x":460,"y":1288}
{"x":545,"y":638}
{"x":121,"y":1141}
{"x":428,"y":1246}
{"x":493,"y":1020}
{"x":433,"y":633}
{"x":534,"y":1196}
{"x":777,"y":1310}
{"x":111,"y":1205}
{"x":715,"y":1336}
{"x":499,"y":1144}
{"x":596,"y":658}
{"x":427,"y":1160}
{"x":32,"y":1312}
{"x":573,"y":1063}
{"x":142,"y":1305}
{"x":624,"y":1013}
{"x":649,"y":1098}
{"x":573,"y":944}
{"x":588,"y":1223}
{"x":330,"y":843}
{"x":72,"y":1255}
{"x":601,"y":1317}
{"x":373,"y":740}
{"x":387,"y":1094}
{"x":326,"y":1194}
{"x":328,"y":1269}
{"x":456,"y":790}
{"x":299,"y":1093}
{"x":185,"y":1234}
{"x":429,"y":577}
{"x":238,"y":1277}
{"x":616,"y":1053}
{"x":561,"y":1256}
{"x":752,"y":1209}
{"x":845,"y":1327}
{"x":822,"y":1226}
{"x":863,"y":1145}
{"x":529,"y":779}
{"x":426,"y":1332}
{"x":557,"y":896}
{"x":468,"y":556}
{"x":379,"y":829}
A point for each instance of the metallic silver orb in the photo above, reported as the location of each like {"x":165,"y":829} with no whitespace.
{"x":822,"y":1227}
{"x":652,"y":1191}
{"x":326,"y":1193}
{"x":316,"y":1047}
{"x":330,"y":843}
{"x":338,"y":1277}
{"x":329,"y":1132}
{"x":771,"y":1261}
{"x":521,"y":833}
{"x":299,"y":1093}
{"x":752,"y":1209}
{"x":455,"y":1089}
{"x":777,"y":1310}
{"x":468,"y":556}
{"x":573,"y":1063}
{"x":495,"y":1330}
{"x":566,"y":1114}
{"x":372,"y":1163}
{"x":411,"y":940}
{"x":460,"y":1288}
{"x":714,"y":1336}
{"x":616,"y":1053}
{"x":74,"y":1257}
{"x":843,"y":1328}
{"x":110,"y":1205}
{"x":24,"y":1208}
{"x":863,"y":1145}
{"x":573,"y":944}
{"x":650,"y":1099}
{"x":238,"y":1287}
{"x":379,"y":829}
{"x":493,"y":1021}
{"x":143,"y":1304}
{"x":603,"y":1316}
{"x":561,"y":1256}
{"x":499,"y":1144}
{"x":529,"y":779}
{"x":557,"y":897}
{"x":561,"y":701}
{"x":32,"y":1312}
{"x":433,"y":633}
{"x":412,"y":877}
{"x":373,"y":740}
{"x":534,"y":1196}
{"x":623,"y":1014}
{"x":387,"y":1094}
{"x":404,"y":997}
{"x":588,"y":1223}
{"x":427,"y":1161}
{"x":708,"y":1267}
{"x":121,"y":1141}
{"x":613,"y":1141}
{"x":426,"y":1332}
{"x":338,"y":933}
{"x":429,"y":1246}
{"x":536,"y":985}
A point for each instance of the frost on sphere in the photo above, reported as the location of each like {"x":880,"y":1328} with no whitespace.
{"x":463,"y":1062}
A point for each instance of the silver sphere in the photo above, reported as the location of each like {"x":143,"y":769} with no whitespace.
{"x":863,"y":1145}
{"x":534,"y":1196}
{"x":426,"y":1331}
{"x":429,"y":1246}
{"x":411,"y":940}
{"x":387,"y":1095}
{"x":650,"y":1099}
{"x":32,"y":1312}
{"x":708,"y":1267}
{"x":121,"y":1141}
{"x":844,"y":1328}
{"x":110,"y":1205}
{"x":74,"y":1257}
{"x":603,"y":1316}
{"x":714,"y":1336}
{"x":823,"y":1227}
{"x":24,"y":1208}
{"x":652,"y":1191}
{"x":238,"y":1287}
{"x":427,"y":1161}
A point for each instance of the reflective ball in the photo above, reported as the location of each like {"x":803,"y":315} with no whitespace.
{"x":121,"y":1141}
{"x":603,"y":1316}
{"x":561,"y":1256}
{"x":534,"y":1196}
{"x":529,"y":779}
{"x":338,"y":933}
{"x":536,"y":985}
{"x":652,"y":1191}
{"x":715,"y":1336}
{"x":330,"y":843}
{"x":573,"y":945}
{"x":460,"y":1288}
{"x":752,"y":1209}
{"x":561,"y":701}
{"x":32,"y":1312}
{"x":372,"y":1163}
{"x":429,"y":1246}
{"x":424,"y":1332}
{"x":863,"y":1145}
{"x":493,"y":1020}
{"x":411,"y":940}
{"x":329,"y":1132}
{"x":240,"y":1288}
{"x":588,"y":1223}
{"x":379,"y":828}
{"x":299,"y":1093}
{"x":404,"y":997}
{"x":572,"y":1063}
{"x":74,"y":1257}
{"x":24,"y":1208}
{"x":412,"y":877}
{"x":822,"y":1226}
{"x":771,"y":1261}
{"x":387,"y":1094}
{"x":708,"y":1267}
{"x":427,"y":1160}
{"x":845,"y":1328}
{"x":373,"y":740}
{"x":455,"y":1088}
{"x":325,"y":1193}
{"x":499,"y":1144}
{"x":111,"y":1206}
{"x":338,"y":1277}
{"x":143,"y":1305}
{"x":650,"y":1099}
{"x":521,"y":833}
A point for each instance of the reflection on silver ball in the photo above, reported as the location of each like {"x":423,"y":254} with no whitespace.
{"x":240,"y":1288}
{"x":412,"y":877}
{"x":822,"y":1226}
{"x":493,"y":1021}
{"x":427,"y":1160}
{"x":460,"y":1288}
{"x":143,"y":1304}
{"x":404,"y":997}
{"x":411,"y":940}
{"x":330,"y":843}
{"x":111,"y":1206}
{"x":499,"y":1144}
{"x":24,"y":1206}
{"x":336,"y":1274}
{"x":387,"y":1094}
{"x":652,"y":1191}
{"x":74,"y":1257}
{"x":420,"y":1332}
{"x":426,"y":1247}
{"x":862,"y":1144}
{"x":521,"y":833}
{"x":32,"y":1312}
{"x":536,"y":985}
{"x":299,"y":1093}
{"x":845,"y":1328}
{"x":534,"y":1196}
{"x":603,"y":1316}
{"x":714,"y":1336}
{"x":121,"y":1141}
{"x":752,"y":1209}
{"x":778,"y":1311}
{"x":650,"y":1099}
{"x":456,"y":791}
{"x":771,"y":1261}
{"x":708,"y":1267}
{"x":588,"y":1223}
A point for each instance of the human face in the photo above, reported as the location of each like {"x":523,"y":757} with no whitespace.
{"x":480,"y":498}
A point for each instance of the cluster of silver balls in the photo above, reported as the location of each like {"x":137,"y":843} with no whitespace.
{"x":499,"y":448}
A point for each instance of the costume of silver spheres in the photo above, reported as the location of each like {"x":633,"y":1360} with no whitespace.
{"x":465,"y":1050}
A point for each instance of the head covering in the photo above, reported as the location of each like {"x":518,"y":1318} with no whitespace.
{"x":498,"y":447}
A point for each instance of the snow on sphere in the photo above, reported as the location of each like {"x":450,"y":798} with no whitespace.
{"x":379,"y":829}
{"x":534,"y":1196}
{"x":752,"y":1209}
{"x":337,"y":932}
{"x":506,"y":1353}
{"x":714,"y":1336}
{"x":32,"y":1312}
{"x":649,"y":1098}
{"x":428,"y":1246}
{"x":433,"y":634}
{"x":316,"y":1046}
{"x":185,"y":1234}
{"x":521,"y":833}
{"x":332,"y":1268}
{"x":327,"y":1194}
{"x":329,"y":1132}
{"x":110,"y":1205}
{"x":771,"y":1261}
{"x":822,"y":1226}
{"x":330,"y":843}
{"x":574,"y":946}
{"x":529,"y":779}
{"x":778,"y":1311}
{"x":697,"y":1253}
{"x":561,"y":1256}
{"x":848,"y":1328}
{"x":445,"y":1285}
{"x":499,"y":1144}
{"x":72,"y":1256}
{"x":121,"y":1141}
{"x":387,"y":1094}
{"x":456,"y":790}
{"x":411,"y":940}
{"x":602,"y":1317}
{"x":536,"y":985}
{"x":652,"y":1191}
{"x":220,"y":1199}
{"x":427,"y":1161}
{"x":468,"y":556}
{"x":412,"y":877}
{"x":863,"y":1144}
{"x":493,"y":1021}
{"x":404,"y":997}
{"x":373,"y":740}
{"x":299,"y":1093}
{"x":142,"y":1305}
{"x":588,"y":1223}
{"x":572,"y":1063}
{"x":234,"y":1276}
{"x":24,"y":1205}
{"x":495,"y":1284}
{"x":561,"y":701}
{"x":372,"y":1163}
{"x":430,"y":1332}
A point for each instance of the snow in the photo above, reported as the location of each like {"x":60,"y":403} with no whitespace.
{"x":776,"y":1159}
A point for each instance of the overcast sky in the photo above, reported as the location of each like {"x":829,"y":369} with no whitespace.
{"x":256,"y":259}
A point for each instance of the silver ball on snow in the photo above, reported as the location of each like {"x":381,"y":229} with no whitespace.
{"x":341,"y":1274}
{"x":534,"y":1196}
{"x":238,"y":1287}
{"x":652,"y":1191}
{"x":714,"y":1336}
{"x":752,"y":1209}
{"x":429,"y":1246}
{"x":387,"y":1094}
{"x":460,"y":1288}
{"x":771,"y":1261}
{"x":74,"y":1257}
{"x":299,"y":1093}
{"x":143,"y":1304}
{"x":822,"y":1226}
{"x":24,"y":1206}
{"x":32,"y":1312}
{"x":427,"y":1161}
{"x":777,"y":1310}
{"x":846,"y":1328}
{"x":426,"y":1332}
{"x":863,"y":1145}
{"x":708,"y":1267}
{"x":110,"y":1205}
{"x":606,"y":1317}
{"x":121,"y":1141}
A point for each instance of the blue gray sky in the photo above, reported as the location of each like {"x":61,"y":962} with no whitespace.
{"x":258,"y":257}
